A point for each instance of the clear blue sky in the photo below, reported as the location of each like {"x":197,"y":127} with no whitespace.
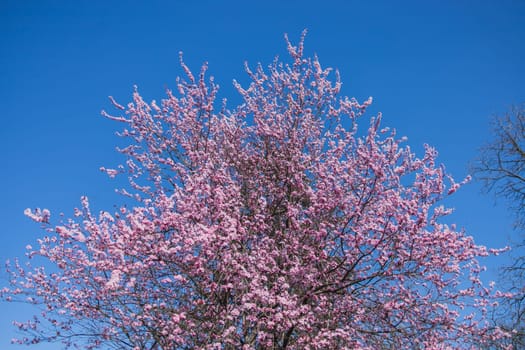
{"x":436,"y":69}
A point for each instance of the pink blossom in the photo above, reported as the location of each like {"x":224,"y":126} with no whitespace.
{"x":114,"y":280}
{"x":38,"y":215}
{"x":278,"y":224}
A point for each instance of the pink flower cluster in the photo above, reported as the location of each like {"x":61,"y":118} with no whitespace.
{"x":276,"y":225}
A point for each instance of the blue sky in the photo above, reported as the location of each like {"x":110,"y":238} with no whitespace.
{"x":437,"y":71}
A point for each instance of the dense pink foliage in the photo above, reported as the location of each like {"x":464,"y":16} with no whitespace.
{"x":275,"y":225}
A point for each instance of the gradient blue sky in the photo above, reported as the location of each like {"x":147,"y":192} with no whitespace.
{"x":436,"y":69}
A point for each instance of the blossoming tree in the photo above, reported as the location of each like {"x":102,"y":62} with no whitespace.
{"x":275,"y":225}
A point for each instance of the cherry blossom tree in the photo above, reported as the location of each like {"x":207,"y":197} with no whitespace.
{"x":276,"y":225}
